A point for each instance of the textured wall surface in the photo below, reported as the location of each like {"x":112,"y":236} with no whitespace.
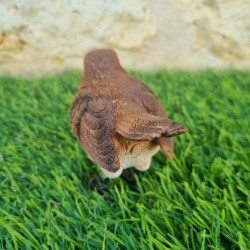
{"x":39,"y":37}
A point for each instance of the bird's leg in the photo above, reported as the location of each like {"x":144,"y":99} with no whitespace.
{"x":128,"y":176}
{"x":106,"y":181}
{"x":99,"y":185}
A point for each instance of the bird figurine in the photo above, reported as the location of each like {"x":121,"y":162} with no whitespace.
{"x":117,"y":119}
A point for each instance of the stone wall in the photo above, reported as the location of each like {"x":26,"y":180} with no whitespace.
{"x":40,"y":37}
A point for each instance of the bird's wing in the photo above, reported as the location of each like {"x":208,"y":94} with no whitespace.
{"x":144,"y":126}
{"x":151,"y":103}
{"x":92,"y":125}
{"x":144,"y":97}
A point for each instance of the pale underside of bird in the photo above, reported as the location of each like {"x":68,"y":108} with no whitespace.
{"x":117,"y":119}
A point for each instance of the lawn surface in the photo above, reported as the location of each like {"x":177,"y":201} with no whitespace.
{"x":200,"y":200}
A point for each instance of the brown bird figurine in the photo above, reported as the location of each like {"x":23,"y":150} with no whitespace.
{"x":117,"y":119}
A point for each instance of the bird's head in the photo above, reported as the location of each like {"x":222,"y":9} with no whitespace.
{"x":99,"y":63}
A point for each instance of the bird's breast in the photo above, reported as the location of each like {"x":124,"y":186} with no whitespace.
{"x":134,"y":153}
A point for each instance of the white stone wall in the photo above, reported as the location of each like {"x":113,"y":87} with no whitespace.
{"x":40,"y":37}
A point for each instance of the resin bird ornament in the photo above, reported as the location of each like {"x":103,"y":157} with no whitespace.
{"x":117,"y":119}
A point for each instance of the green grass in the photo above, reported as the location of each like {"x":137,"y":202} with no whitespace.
{"x":200,"y":200}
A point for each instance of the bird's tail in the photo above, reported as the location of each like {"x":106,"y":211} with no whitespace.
{"x":166,"y":142}
{"x":174,"y":129}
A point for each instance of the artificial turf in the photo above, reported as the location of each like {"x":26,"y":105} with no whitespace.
{"x":200,"y":200}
